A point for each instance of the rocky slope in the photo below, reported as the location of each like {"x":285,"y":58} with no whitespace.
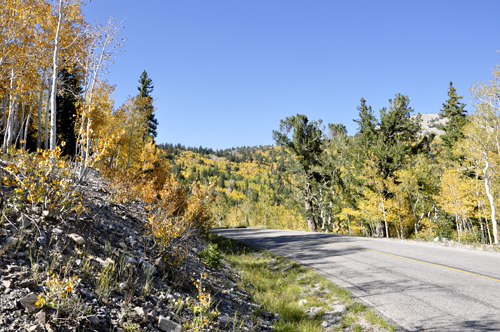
{"x":101,"y":271}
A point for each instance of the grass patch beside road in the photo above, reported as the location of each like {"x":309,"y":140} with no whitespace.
{"x":304,"y":300}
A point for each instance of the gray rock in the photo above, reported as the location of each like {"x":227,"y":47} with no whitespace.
{"x":25,"y":222}
{"x":88,"y":294}
{"x":11,"y":240}
{"x":249,"y":285}
{"x":167,"y":325}
{"x":94,"y":320}
{"x":27,"y":283}
{"x":325,"y":324}
{"x":28,"y":302}
{"x":287,"y":267}
{"x":41,"y":317}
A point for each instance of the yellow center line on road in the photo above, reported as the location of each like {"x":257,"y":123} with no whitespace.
{"x":403,"y":257}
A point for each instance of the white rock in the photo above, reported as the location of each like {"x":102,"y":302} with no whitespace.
{"x":57,"y":231}
{"x":338,"y":309}
{"x":167,"y":325}
{"x":77,"y":238}
{"x":302,"y":302}
{"x":436,"y":239}
{"x":141,"y":313}
{"x":35,"y":328}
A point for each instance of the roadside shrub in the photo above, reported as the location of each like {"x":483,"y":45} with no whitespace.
{"x":41,"y":179}
{"x":211,"y":255}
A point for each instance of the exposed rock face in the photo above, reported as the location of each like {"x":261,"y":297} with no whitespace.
{"x":428,"y":122}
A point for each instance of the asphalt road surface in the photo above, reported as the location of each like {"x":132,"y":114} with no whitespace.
{"x":416,"y":286}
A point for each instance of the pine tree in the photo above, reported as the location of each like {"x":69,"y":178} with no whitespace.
{"x":453,"y":111}
{"x":397,"y":136}
{"x":367,"y":122}
{"x":307,"y":145}
{"x":145,"y":88}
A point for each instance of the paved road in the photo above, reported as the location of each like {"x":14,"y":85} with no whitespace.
{"x":418,"y":286}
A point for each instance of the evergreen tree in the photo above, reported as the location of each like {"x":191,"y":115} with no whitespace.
{"x":456,"y":118}
{"x":145,"y":88}
{"x":307,"y":144}
{"x":397,"y":136}
{"x":367,"y":122}
{"x":367,"y":134}
{"x":66,"y":101}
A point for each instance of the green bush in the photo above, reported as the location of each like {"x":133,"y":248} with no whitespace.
{"x":211,"y":255}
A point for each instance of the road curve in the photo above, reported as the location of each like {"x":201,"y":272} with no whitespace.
{"x":418,"y":286}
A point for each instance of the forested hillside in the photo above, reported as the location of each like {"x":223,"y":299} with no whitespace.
{"x":392,"y":178}
{"x":253,"y":185}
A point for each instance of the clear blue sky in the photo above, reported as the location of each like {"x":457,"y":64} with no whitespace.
{"x":226,"y":72}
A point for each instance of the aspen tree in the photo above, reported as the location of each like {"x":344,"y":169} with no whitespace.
{"x":482,"y":137}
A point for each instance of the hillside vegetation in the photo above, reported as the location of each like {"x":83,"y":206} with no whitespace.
{"x":393,"y":178}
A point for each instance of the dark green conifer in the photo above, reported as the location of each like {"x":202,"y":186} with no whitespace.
{"x":456,"y":117}
{"x":145,"y":88}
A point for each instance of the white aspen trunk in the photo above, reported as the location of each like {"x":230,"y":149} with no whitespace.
{"x":5,"y":102}
{"x":491,"y":199}
{"x":53,"y":116}
{"x":487,"y":226}
{"x":86,"y":150}
{"x":39,"y":131}
{"x":26,"y":126}
{"x":47,"y":111}
{"x":20,"y":133}
{"x":15,"y":124}
{"x":385,"y":220}
{"x":10,"y":124}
